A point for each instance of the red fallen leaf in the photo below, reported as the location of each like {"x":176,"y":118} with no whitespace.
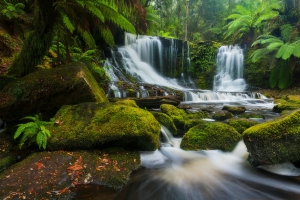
{"x":47,"y":157}
{"x":39,"y":165}
{"x":74,"y":167}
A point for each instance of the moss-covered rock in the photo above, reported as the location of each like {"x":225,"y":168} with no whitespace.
{"x":180,"y":116}
{"x":275,"y":141}
{"x":4,"y":80}
{"x":234,"y":109}
{"x":127,"y":102}
{"x":90,"y":125}
{"x":55,"y":175}
{"x":241,"y":124}
{"x":222,"y":115}
{"x":282,"y":104}
{"x":45,"y":91}
{"x":191,"y":123}
{"x":165,"y":120}
{"x":209,"y":136}
{"x":251,"y":115}
{"x":293,"y":98}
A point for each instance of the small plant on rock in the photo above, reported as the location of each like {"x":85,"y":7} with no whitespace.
{"x":33,"y":131}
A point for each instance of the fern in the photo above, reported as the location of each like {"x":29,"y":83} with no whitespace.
{"x":33,"y":131}
{"x":285,"y":76}
{"x":274,"y":77}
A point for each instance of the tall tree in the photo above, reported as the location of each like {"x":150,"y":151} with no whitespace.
{"x":75,"y":15}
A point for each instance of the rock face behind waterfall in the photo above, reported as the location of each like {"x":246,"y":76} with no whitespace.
{"x":45,"y":91}
{"x":99,"y":125}
{"x":274,"y":142}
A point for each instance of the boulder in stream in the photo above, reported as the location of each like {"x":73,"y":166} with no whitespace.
{"x":210,"y":136}
{"x":98,"y":125}
{"x":275,"y":141}
{"x":45,"y":91}
{"x":222,"y":115}
{"x":234,"y":109}
{"x":241,"y":124}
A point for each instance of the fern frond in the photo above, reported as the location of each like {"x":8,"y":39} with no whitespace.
{"x":95,"y":11}
{"x":286,"y":32}
{"x":285,"y":51}
{"x":107,"y":36}
{"x":259,"y":54}
{"x":296,"y":52}
{"x":274,"y":46}
{"x":285,"y":76}
{"x":68,"y":23}
{"x":274,"y":77}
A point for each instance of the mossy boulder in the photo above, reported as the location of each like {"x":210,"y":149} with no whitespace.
{"x":275,"y":141}
{"x":241,"y":124}
{"x":180,"y":116}
{"x":293,"y":99}
{"x":222,"y":115}
{"x":127,"y":102}
{"x":282,"y":104}
{"x":45,"y":91}
{"x":99,"y":125}
{"x":234,"y":109}
{"x":210,"y":136}
{"x":251,"y":115}
{"x":57,"y":174}
{"x":191,"y":123}
{"x":166,"y":121}
{"x":4,"y":80}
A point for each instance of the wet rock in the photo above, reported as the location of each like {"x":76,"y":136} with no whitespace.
{"x":58,"y":174}
{"x":275,"y":141}
{"x":251,"y":115}
{"x":235,"y":109}
{"x":222,"y":115}
{"x":156,"y":102}
{"x":98,"y":125}
{"x":241,"y":124}
{"x":45,"y":91}
{"x":210,"y":136}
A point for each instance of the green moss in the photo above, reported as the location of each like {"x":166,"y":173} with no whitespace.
{"x":293,"y":98}
{"x":180,"y":116}
{"x":127,"y":102}
{"x":130,"y":92}
{"x":7,"y":162}
{"x":166,"y":121}
{"x":45,"y":91}
{"x":208,"y":135}
{"x":177,"y":115}
{"x":275,"y":141}
{"x":251,"y":115}
{"x":191,"y":123}
{"x":284,"y":105}
{"x":241,"y":124}
{"x":90,"y":125}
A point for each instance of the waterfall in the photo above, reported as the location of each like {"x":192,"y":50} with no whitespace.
{"x":230,"y":69}
{"x":152,"y":62}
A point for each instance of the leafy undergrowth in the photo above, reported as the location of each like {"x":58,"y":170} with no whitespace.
{"x":59,"y":174}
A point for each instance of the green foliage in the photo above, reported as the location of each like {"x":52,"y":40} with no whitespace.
{"x":33,"y":131}
{"x":251,"y":18}
{"x":10,"y":10}
{"x":281,"y":74}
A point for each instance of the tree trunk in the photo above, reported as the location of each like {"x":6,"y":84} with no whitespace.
{"x":37,"y":44}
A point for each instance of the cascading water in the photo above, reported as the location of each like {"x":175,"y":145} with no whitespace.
{"x":230,"y":69}
{"x":150,"y":61}
{"x":172,"y":173}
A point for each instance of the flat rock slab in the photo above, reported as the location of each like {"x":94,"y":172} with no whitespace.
{"x":57,"y":174}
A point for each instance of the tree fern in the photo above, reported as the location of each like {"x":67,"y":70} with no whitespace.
{"x":285,"y":76}
{"x":274,"y":77}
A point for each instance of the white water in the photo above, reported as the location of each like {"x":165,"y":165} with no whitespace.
{"x":177,"y":174}
{"x":230,"y":69}
{"x":141,"y":53}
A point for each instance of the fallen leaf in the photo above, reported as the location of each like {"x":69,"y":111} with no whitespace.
{"x":74,"y":167}
{"x":39,"y":165}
